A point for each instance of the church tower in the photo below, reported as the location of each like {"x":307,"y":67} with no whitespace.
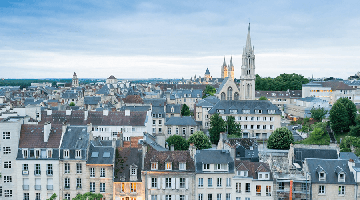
{"x":224,"y":70}
{"x":231,"y":69}
{"x":247,"y":78}
{"x":75,"y":81}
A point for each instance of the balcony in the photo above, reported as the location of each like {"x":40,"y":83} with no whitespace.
{"x":67,"y":187}
{"x":25,"y":187}
{"x":25,"y":172}
{"x":49,"y":172}
{"x":37,"y":187}
{"x":49,"y":187}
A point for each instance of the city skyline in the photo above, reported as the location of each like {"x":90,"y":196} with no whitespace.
{"x":161,"y":39}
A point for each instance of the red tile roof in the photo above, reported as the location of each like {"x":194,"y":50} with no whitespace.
{"x":32,"y":136}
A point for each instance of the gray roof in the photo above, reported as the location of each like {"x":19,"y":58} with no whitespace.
{"x":212,"y":156}
{"x":100,"y":152}
{"x":104,"y":90}
{"x":135,"y":108}
{"x":93,"y":100}
{"x":181,"y":121}
{"x":75,"y":137}
{"x":150,"y":140}
{"x":158,"y":110}
{"x":188,"y":93}
{"x":177,"y":108}
{"x":241,"y":105}
{"x":331,"y":167}
{"x":127,"y":157}
{"x":155,"y":102}
{"x":348,"y":156}
{"x":301,"y":153}
{"x":70,"y":94}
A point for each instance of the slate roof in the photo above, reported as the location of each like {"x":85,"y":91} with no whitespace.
{"x":133,"y":99}
{"x":244,"y":142}
{"x":155,"y":102}
{"x":253,"y":168}
{"x":32,"y":136}
{"x":75,"y":137}
{"x":279,"y":94}
{"x":175,"y":157}
{"x":135,"y":108}
{"x":70,"y":94}
{"x":222,"y":85}
{"x":334,"y":85}
{"x":104,"y":90}
{"x":158,"y":110}
{"x":151,"y":141}
{"x":213,"y":156}
{"x":188,"y":93}
{"x":164,"y":87}
{"x":352,"y":82}
{"x":330,"y":166}
{"x":180,"y":121}
{"x":300,"y":154}
{"x":348,"y":156}
{"x":126,"y":158}
{"x":244,"y":105}
{"x":177,"y":108}
{"x":92,"y":100}
{"x":100,"y":152}
{"x":114,"y":118}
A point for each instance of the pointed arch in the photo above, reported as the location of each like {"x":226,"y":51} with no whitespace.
{"x":236,"y":96}
{"x":229,"y":93}
{"x":223,"y":97}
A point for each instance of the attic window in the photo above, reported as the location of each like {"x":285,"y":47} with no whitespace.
{"x":95,"y":154}
{"x":133,"y":171}
{"x":242,"y":173}
{"x":322,"y":176}
{"x":271,"y":111}
{"x":66,"y":154}
{"x":246,"y":111}
{"x":220,"y":111}
{"x":154,"y":166}
{"x":182,"y":166}
{"x":341,"y":177}
{"x":106,"y":155}
{"x":168,"y":166}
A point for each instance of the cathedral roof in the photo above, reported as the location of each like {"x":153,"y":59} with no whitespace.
{"x":207,"y":72}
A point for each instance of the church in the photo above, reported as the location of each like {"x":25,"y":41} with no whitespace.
{"x":228,"y":90}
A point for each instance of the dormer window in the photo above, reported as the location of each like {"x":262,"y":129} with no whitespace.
{"x":78,"y":154}
{"x":168,"y":166}
{"x":263,"y":176}
{"x":182,"y":166}
{"x":220,"y":111}
{"x":258,"y":111}
{"x":246,"y":111}
{"x":154,"y":166}
{"x":322,"y":176}
{"x":206,"y":166}
{"x":25,"y":153}
{"x":271,"y":111}
{"x":37,"y":153}
{"x":133,"y":171}
{"x":242,"y":173}
{"x":233,"y":111}
{"x":49,"y":153}
{"x":341,"y":177}
{"x":66,"y":154}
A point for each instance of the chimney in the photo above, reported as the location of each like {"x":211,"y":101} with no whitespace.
{"x":64,"y":126}
{"x":47,"y":128}
{"x":172,"y":148}
{"x":68,"y":112}
{"x":127,"y":112}
{"x":89,"y":127}
{"x":106,"y":112}
{"x":86,"y":113}
{"x":48,"y":112}
{"x":192,"y":150}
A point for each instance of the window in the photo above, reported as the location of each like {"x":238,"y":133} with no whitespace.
{"x":167,"y":197}
{"x":7,"y":164}
{"x":154,"y":122}
{"x":341,"y":190}
{"x":160,"y":122}
{"x":218,"y":183}
{"x":6,"y":150}
{"x":78,"y":154}
{"x":26,"y":196}
{"x":25,"y":169}
{"x":246,"y":111}
{"x":238,"y":187}
{"x":168,"y":166}
{"x":66,"y":153}
{"x":268,"y":190}
{"x":37,"y":169}
{"x":281,"y":186}
{"x":153,"y":182}
{"x":271,"y":127}
{"x":321,"y":189}
{"x":160,"y":130}
{"x":247,"y":187}
{"x":78,"y":183}
{"x":177,"y":130}
{"x":67,"y":196}
{"x":8,"y":193}
{"x":37,"y":153}
{"x":206,"y":166}
{"x":102,"y":187}
{"x":49,"y":153}
{"x":228,"y":182}
{"x":322,"y":176}
{"x":303,"y":187}
{"x":49,"y":169}
{"x":160,"y":115}
{"x":78,"y":168}
{"x":92,"y":172}
{"x":122,"y":187}
{"x":154,"y":130}
{"x":182,"y":166}
{"x":184,"y":130}
{"x":102,"y":172}
{"x":201,"y":182}
{"x":341,"y":177}
{"x":209,"y":196}
{"x":132,"y":187}
{"x":228,"y":196}
{"x":133,"y":171}
{"x":220,"y":166}
{"x":0,"y":191}
{"x":167,"y":182}
{"x":242,"y":173}
{"x":154,"y":166}
{"x":169,"y":131}
{"x":66,"y":168}
{"x":218,"y":196}
{"x":210,"y":182}
{"x":182,"y":182}
{"x":25,"y":153}
{"x":37,"y":196}
{"x":258,"y":190}
{"x":67,"y":183}
{"x":200,"y":197}
{"x":7,"y":179}
{"x":153,"y":197}
{"x":6,"y":136}
{"x":92,"y":186}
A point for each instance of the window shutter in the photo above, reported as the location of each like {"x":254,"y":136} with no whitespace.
{"x":186,"y":197}
{"x":158,"y":184}
{"x":158,"y":197}
{"x":172,"y":183}
{"x":163,"y":197}
{"x":149,"y":183}
{"x":177,"y":197}
{"x":177,"y":183}
{"x":187,"y":183}
{"x":149,"y":197}
{"x":163,"y":183}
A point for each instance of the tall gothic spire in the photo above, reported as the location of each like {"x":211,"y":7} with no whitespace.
{"x":224,"y":64}
{"x":248,"y":41}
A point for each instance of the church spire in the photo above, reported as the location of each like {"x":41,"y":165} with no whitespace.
{"x":224,"y":64}
{"x":248,"y":41}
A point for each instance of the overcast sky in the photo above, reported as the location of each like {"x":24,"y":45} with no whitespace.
{"x":175,"y":39}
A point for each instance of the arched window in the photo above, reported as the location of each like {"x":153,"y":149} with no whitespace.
{"x":248,"y":91}
{"x":236,"y":96}
{"x":229,"y":93}
{"x":223,"y":96}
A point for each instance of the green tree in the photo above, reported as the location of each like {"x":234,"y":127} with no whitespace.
{"x":350,"y":108}
{"x":355,"y":130}
{"x":339,"y":118}
{"x":179,"y":142}
{"x":200,"y":140}
{"x":53,"y":197}
{"x":72,"y":104}
{"x":217,"y":125}
{"x":185,"y":111}
{"x":318,"y":113}
{"x":282,"y":82}
{"x":263,"y":98}
{"x":281,"y":138}
{"x":233,"y":128}
{"x":88,"y":195}
{"x":209,"y":91}
{"x":317,"y":136}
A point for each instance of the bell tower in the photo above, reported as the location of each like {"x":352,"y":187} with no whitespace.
{"x":75,"y":81}
{"x":247,"y":78}
{"x":224,"y":70}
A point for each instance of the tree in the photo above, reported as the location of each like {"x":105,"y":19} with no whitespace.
{"x":217,"y":125}
{"x":179,"y":142}
{"x":339,"y":117}
{"x":318,"y":113}
{"x":53,"y":197}
{"x":282,"y":82}
{"x":209,"y":91}
{"x":72,"y":104}
{"x":233,"y":128}
{"x":88,"y":195}
{"x":281,"y":138}
{"x":355,"y":130}
{"x":200,"y":140}
{"x":263,"y":98}
{"x":185,"y":111}
{"x":350,"y":108}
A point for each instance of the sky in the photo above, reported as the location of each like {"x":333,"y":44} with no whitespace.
{"x":177,"y":39}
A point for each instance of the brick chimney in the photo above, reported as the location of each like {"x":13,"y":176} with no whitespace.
{"x":47,"y":129}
